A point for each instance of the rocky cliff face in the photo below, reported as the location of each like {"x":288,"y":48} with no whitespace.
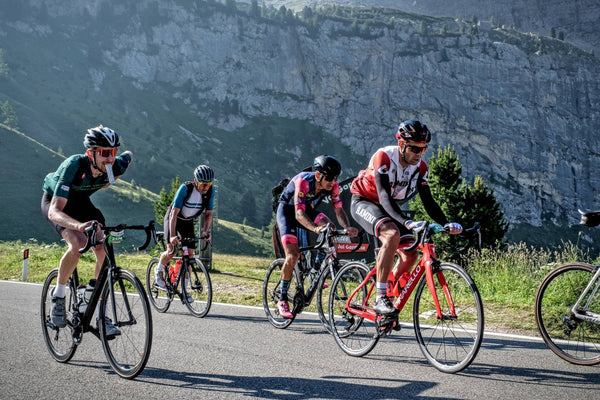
{"x":520,"y":111}
{"x":577,"y":19}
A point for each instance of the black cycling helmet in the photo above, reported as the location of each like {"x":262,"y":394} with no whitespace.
{"x":328,"y":166}
{"x":101,"y":137}
{"x":204,"y":173}
{"x":413,"y":130}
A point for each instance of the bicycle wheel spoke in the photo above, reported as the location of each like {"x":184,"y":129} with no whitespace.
{"x":568,"y":335}
{"x":59,"y":341}
{"x":271,"y":294}
{"x":450,"y":343}
{"x":128,"y":351}
{"x":159,"y":298}
{"x":198,"y":288}
{"x":355,"y":335}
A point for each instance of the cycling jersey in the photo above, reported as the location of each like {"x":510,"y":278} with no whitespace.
{"x":387,"y":183}
{"x":191,"y":204}
{"x":301,"y":191}
{"x":74,"y":176}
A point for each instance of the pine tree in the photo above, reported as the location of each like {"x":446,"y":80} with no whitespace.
{"x":461,"y":203}
{"x":165,"y":198}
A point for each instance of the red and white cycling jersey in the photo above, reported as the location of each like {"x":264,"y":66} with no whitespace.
{"x":403,"y":181}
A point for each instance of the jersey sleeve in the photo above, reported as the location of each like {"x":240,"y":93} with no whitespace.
{"x":121,"y":164}
{"x":300,"y":193}
{"x":335,"y":196}
{"x":65,"y":176}
{"x":179,"y":197}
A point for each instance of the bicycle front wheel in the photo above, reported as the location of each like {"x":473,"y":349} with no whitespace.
{"x":450,"y":342}
{"x":272,"y":294}
{"x":198,"y":289}
{"x":323,"y":291}
{"x":355,"y":335}
{"x":159,"y":298}
{"x":568,"y":336}
{"x":59,"y":341}
{"x":128,"y":308}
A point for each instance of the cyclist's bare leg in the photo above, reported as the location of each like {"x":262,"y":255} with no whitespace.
{"x":292,"y":252}
{"x":75,"y":240}
{"x":100,"y":253}
{"x":389,"y":235}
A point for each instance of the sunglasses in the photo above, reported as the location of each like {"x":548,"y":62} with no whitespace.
{"x":330,"y":178}
{"x":416,"y":149}
{"x":204,"y":184}
{"x":107,"y":152}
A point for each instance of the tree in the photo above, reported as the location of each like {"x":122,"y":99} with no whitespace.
{"x":254,"y":9}
{"x":553,"y":32}
{"x":165,"y":198}
{"x":8,"y":116}
{"x":3,"y":65}
{"x":461,"y":203}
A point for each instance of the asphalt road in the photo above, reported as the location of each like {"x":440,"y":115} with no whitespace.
{"x":234,"y":353}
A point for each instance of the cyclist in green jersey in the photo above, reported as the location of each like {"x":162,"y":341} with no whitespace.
{"x":66,"y":205}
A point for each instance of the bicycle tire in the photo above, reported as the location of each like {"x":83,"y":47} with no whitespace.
{"x":128,"y":352}
{"x":323,"y":290}
{"x":450,"y":344}
{"x":200,"y":289}
{"x":159,"y":298}
{"x":271,"y":294}
{"x":59,"y":341}
{"x":355,"y":335}
{"x":572,"y":339}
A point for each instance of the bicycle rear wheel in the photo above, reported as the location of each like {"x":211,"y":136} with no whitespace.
{"x":449,"y":343}
{"x":159,"y":298}
{"x":199,"y":288}
{"x":323,"y":291}
{"x":128,"y":352}
{"x":355,"y":335}
{"x":569,"y":337}
{"x":59,"y":341}
{"x":272,"y":292}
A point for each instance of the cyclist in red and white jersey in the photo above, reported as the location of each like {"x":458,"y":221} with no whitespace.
{"x":394,"y":175}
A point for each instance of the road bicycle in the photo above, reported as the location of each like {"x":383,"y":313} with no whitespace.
{"x":195,"y":292}
{"x":447,"y":308}
{"x":567,"y":307}
{"x":121,"y":297}
{"x":310,"y":277}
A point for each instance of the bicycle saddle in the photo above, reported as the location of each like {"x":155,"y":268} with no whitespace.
{"x":589,"y":218}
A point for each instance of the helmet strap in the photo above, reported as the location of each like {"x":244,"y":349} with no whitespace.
{"x":92,"y":154}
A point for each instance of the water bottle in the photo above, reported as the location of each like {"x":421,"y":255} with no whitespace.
{"x":84,"y":294}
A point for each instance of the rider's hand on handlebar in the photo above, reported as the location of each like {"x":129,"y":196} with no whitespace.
{"x":206,"y":236}
{"x":414,"y":225}
{"x":174,"y":241}
{"x":454,"y":228}
{"x":352,"y":231}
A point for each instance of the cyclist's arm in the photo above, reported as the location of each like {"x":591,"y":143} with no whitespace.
{"x":57,"y":215}
{"x":122,"y":163}
{"x":208,"y":216}
{"x":384,"y":190}
{"x":304,"y":219}
{"x":344,"y":222}
{"x":173,"y":225}
{"x":431,"y":206}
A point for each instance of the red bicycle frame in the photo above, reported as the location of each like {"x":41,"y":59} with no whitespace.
{"x":424,"y":266}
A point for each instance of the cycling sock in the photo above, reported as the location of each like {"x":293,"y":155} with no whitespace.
{"x":159,"y":268}
{"x":59,"y":290}
{"x":285,"y":285}
{"x":381,"y":289}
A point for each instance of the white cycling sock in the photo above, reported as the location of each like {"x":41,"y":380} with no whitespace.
{"x":59,"y":290}
{"x":159,"y":268}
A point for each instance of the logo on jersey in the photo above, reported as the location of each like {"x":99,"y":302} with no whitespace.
{"x":64,"y":188}
{"x":301,"y":194}
{"x":366,"y":215}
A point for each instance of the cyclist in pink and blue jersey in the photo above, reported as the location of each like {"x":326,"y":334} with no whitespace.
{"x":297,"y":209}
